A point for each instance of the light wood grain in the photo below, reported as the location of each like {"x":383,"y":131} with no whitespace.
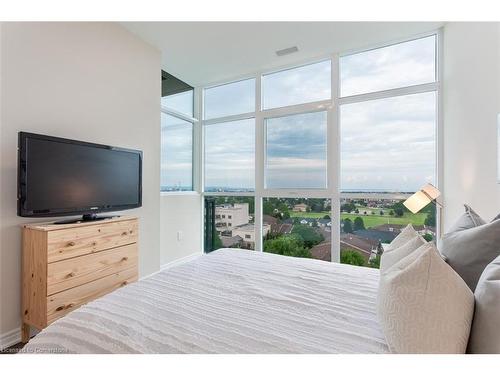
{"x":73,"y":272}
{"x":50,"y":226}
{"x":66,"y":266}
{"x":61,"y":303}
{"x":71,"y":242}
{"x":34,"y":278}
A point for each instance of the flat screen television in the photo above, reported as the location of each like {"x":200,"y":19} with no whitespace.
{"x":62,"y":177}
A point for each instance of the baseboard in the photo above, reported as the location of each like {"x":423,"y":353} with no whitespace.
{"x":10,"y":338}
{"x":180,"y":261}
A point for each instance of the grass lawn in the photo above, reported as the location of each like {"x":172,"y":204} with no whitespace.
{"x":370,"y":220}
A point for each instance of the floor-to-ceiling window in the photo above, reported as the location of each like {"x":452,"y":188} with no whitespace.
{"x":388,"y":126}
{"x":315,"y":160}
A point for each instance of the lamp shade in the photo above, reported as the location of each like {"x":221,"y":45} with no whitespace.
{"x":417,"y":201}
{"x":422,"y":198}
{"x":431,"y":191}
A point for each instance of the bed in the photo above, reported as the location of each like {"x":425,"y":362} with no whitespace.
{"x":229,"y":301}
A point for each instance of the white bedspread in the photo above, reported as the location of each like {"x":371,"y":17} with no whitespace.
{"x":231,"y":301}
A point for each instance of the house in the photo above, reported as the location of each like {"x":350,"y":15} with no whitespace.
{"x":231,"y":215}
{"x":247,"y":233}
{"x":301,"y":207}
{"x":364,"y":245}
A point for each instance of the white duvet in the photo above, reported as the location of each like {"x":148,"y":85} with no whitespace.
{"x":230,"y":301}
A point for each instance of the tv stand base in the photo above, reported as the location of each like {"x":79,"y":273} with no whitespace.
{"x":86,"y":217}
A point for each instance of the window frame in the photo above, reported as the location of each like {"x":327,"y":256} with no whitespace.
{"x":194,"y":141}
{"x":332,"y":107}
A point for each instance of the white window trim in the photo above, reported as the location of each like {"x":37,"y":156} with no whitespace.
{"x":195,"y":144}
{"x":332,"y":106}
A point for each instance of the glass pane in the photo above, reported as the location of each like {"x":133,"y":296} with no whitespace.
{"x":233,"y":223}
{"x":230,"y":99}
{"x":371,"y":221}
{"x":399,"y":65}
{"x":182,"y":102}
{"x":176,"y":154}
{"x":296,"y":151}
{"x":305,"y":84}
{"x":388,"y":144}
{"x":229,"y":156}
{"x":298,"y":227}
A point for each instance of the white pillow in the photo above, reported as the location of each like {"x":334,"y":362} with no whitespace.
{"x":424,"y":306}
{"x":394,"y":255}
{"x":407,"y":234}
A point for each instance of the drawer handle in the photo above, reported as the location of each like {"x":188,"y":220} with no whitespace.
{"x":124,"y":259}
{"x":63,"y":307}
{"x":71,"y":274}
{"x":71,"y":243}
{"x":124,"y":233}
{"x":94,"y":243}
{"x":125,"y":283}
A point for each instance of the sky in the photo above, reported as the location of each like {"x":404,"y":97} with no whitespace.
{"x":386,"y":144}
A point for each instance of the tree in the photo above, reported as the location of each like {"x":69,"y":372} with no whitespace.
{"x":356,"y":211}
{"x":399,"y":207}
{"x":359,"y":224}
{"x":399,"y":212}
{"x":391,"y":212}
{"x":374,"y":263}
{"x":347,"y":226}
{"x":381,"y":213}
{"x":309,"y":235}
{"x":289,"y":245}
{"x":352,"y":257}
{"x":430,"y":220}
{"x":428,"y":237}
{"x":217,"y":241}
{"x":317,"y":206}
{"x":348,"y":207}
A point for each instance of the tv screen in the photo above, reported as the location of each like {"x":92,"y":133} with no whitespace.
{"x":58,"y":177}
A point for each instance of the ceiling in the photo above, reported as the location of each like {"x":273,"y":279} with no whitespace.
{"x":200,"y":53}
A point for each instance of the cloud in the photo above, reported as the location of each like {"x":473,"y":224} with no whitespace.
{"x":386,"y":144}
{"x":229,"y":154}
{"x":399,"y":65}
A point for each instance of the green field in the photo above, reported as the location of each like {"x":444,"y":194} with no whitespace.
{"x":370,"y":220}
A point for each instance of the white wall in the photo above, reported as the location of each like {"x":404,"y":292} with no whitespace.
{"x":89,"y":81}
{"x":180,"y":213}
{"x":471,"y":105}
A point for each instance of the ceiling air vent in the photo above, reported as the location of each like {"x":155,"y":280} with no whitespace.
{"x":287,"y":51}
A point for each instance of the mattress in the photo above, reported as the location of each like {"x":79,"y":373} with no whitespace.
{"x":229,"y":301}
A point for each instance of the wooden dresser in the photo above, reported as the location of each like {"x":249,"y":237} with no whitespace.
{"x":67,"y":265}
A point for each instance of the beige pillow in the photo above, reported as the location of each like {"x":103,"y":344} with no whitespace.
{"x":394,"y":255}
{"x":424,"y":306}
{"x":407,"y":234}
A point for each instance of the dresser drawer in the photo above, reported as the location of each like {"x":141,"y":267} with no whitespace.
{"x":60,"y":304}
{"x":73,"y":272}
{"x":69,"y":243}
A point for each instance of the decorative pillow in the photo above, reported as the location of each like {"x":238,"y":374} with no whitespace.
{"x":471,"y":245}
{"x":407,"y":234}
{"x":485,"y":332}
{"x":424,"y":306}
{"x":469,"y":219}
{"x":394,"y":255}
